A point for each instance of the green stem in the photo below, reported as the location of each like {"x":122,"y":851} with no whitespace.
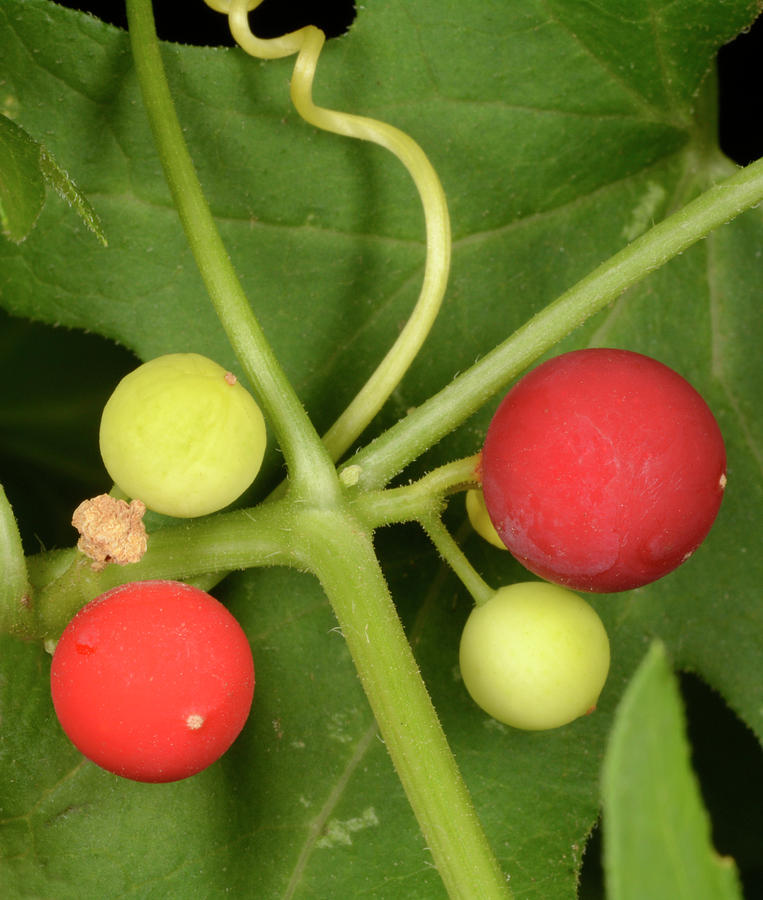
{"x":454,"y":556}
{"x":446,"y":410}
{"x":264,"y":536}
{"x":311,"y":473}
{"x":341,"y":553}
{"x":419,"y":500}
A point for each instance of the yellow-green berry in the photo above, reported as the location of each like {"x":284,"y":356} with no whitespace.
{"x":182,"y":435}
{"x":534,"y":656}
{"x":480,"y":519}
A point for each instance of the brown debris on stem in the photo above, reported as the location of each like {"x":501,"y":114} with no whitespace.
{"x":111,"y":530}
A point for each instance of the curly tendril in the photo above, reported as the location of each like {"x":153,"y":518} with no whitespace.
{"x":238,"y":21}
{"x":308,"y":42}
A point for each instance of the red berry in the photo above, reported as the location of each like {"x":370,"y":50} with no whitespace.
{"x":603,"y":470}
{"x":153,"y":680}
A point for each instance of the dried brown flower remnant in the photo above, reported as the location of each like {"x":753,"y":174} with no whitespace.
{"x":110,"y":530}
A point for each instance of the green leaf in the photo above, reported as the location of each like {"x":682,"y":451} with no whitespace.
{"x":59,"y":179}
{"x":560,"y":131}
{"x":656,"y":830}
{"x":25,"y":168}
{"x":22,"y":190}
{"x":14,"y":583}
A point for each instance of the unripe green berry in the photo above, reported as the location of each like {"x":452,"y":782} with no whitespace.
{"x":534,"y":656}
{"x":182,"y":435}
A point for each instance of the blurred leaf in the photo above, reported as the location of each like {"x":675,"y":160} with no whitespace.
{"x":656,"y":830}
{"x":14,"y":583}
{"x":56,"y":384}
{"x":560,"y":133}
{"x":22,"y":189}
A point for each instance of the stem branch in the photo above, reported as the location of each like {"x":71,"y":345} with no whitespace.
{"x":446,"y":410}
{"x":264,"y":536}
{"x":419,"y":500}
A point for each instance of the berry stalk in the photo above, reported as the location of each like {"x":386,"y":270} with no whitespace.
{"x":455,"y":557}
{"x":63,"y":580}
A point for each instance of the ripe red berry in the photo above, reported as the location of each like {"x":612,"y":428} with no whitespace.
{"x":153,"y":680}
{"x":603,"y":470}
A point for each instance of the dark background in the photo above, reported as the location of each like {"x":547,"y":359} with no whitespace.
{"x":740,"y":63}
{"x":726,"y":755}
{"x":198,"y":24}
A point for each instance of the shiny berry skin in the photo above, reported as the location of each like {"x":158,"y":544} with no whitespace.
{"x":534,"y":656}
{"x":182,"y":435}
{"x":603,"y":470}
{"x":153,"y":680}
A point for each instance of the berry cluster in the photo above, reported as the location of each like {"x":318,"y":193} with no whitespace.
{"x":153,"y":680}
{"x":602,"y":470}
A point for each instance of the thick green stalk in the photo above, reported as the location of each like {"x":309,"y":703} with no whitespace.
{"x":340,"y":552}
{"x":311,"y":472}
{"x":64,"y":579}
{"x":446,"y":410}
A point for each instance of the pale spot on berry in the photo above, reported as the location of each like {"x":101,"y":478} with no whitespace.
{"x":230,"y":378}
{"x":194,"y":721}
{"x":722,"y":481}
